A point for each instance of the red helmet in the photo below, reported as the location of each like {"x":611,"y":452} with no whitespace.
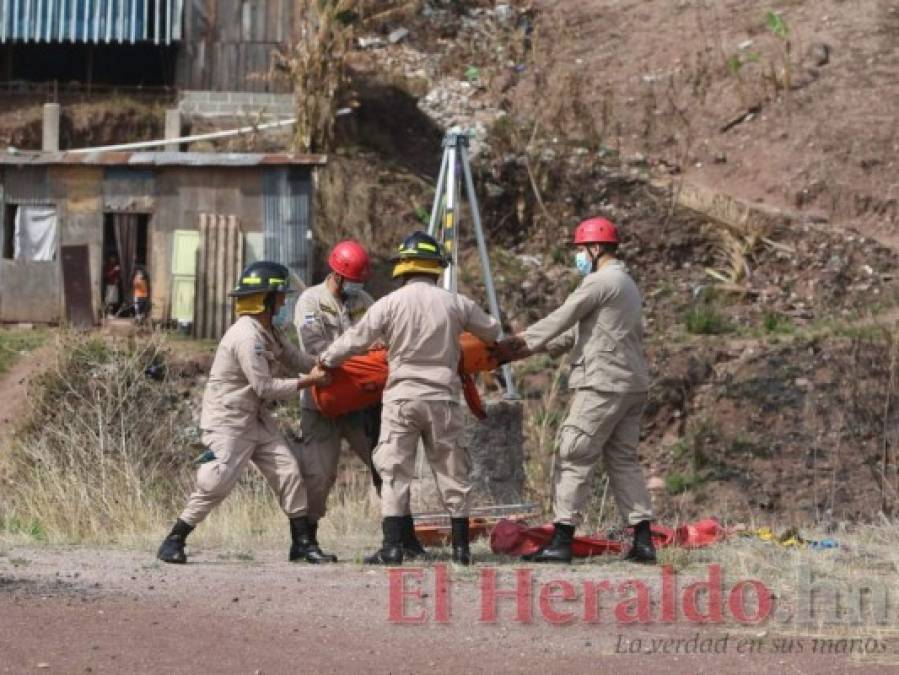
{"x":596,"y":231}
{"x":350,"y":260}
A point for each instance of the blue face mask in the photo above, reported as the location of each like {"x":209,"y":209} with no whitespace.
{"x":282,"y":318}
{"x":583,"y":263}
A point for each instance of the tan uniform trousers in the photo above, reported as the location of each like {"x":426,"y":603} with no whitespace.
{"x":607,"y":425}
{"x":215,"y":479}
{"x":437,"y":424}
{"x":320,"y":453}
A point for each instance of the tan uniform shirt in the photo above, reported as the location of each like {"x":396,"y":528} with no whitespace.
{"x":421,"y":324}
{"x":241,"y":380}
{"x":602,"y":323}
{"x":320,"y":318}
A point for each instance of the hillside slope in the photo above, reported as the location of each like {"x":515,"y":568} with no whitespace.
{"x":700,"y":88}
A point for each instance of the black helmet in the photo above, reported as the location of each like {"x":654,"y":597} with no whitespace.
{"x":421,"y":246}
{"x":261,"y":277}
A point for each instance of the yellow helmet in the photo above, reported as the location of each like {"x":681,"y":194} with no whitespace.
{"x":419,"y":254}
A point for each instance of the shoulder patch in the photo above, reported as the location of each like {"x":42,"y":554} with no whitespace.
{"x":308,"y":318}
{"x":259,"y":348}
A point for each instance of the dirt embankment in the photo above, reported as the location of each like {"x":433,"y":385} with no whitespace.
{"x":103,"y":121}
{"x":798,"y":112}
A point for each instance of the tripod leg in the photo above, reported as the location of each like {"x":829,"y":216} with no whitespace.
{"x":449,"y":219}
{"x":438,"y":195}
{"x":485,"y":260}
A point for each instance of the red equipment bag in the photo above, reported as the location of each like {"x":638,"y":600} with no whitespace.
{"x":514,"y":538}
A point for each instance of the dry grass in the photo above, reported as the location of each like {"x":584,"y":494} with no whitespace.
{"x":96,"y":457}
{"x":866,"y":559}
{"x":105,"y":456}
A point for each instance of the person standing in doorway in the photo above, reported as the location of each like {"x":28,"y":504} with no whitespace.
{"x":112,"y":278}
{"x":140,"y":288}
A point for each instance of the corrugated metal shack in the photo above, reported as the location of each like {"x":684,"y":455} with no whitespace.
{"x":188,"y":219}
{"x":221,"y":45}
{"x":97,"y":21}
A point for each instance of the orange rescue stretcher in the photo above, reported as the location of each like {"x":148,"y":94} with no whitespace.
{"x":359,"y":382}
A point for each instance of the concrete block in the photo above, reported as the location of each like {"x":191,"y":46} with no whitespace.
{"x":496,"y":448}
{"x":172,"y":128}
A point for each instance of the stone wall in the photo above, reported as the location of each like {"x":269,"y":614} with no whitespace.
{"x":497,"y":455}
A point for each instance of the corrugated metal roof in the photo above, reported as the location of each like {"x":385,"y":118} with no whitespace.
{"x":197,"y":159}
{"x":96,"y":21}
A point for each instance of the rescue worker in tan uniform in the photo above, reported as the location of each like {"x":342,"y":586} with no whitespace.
{"x":236,"y":426}
{"x":322,"y":314}
{"x":601,"y":323}
{"x":420,"y":323}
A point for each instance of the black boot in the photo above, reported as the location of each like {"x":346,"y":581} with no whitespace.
{"x":172,"y":548}
{"x":559,"y":549}
{"x":391,"y":551}
{"x":303,"y":546}
{"x":461,"y":552}
{"x":315,"y":549}
{"x":642,"y":550}
{"x":412,"y":548}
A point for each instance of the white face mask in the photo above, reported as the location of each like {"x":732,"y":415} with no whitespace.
{"x":352,"y":287}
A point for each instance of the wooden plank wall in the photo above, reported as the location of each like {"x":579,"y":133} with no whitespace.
{"x":219,"y":263}
{"x":228,"y":44}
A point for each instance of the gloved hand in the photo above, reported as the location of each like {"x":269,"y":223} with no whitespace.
{"x":318,"y":376}
{"x":510,"y":349}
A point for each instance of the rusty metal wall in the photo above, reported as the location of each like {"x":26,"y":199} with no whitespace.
{"x":30,"y":291}
{"x":78,"y":194}
{"x":287,"y":218}
{"x":183,"y":194}
{"x":219,"y":260}
{"x":26,"y":185}
{"x":228,"y":44}
{"x":129,"y":190}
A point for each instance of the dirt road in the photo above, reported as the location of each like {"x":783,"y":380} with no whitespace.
{"x":110,"y":611}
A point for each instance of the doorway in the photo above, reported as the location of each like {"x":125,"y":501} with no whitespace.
{"x":9,"y":231}
{"x":125,"y":252}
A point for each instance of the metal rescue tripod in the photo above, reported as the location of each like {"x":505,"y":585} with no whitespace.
{"x":453,"y":168}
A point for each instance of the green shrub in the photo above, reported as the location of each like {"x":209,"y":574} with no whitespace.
{"x":775,"y":322}
{"x":678,"y":483}
{"x":705,"y":319}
